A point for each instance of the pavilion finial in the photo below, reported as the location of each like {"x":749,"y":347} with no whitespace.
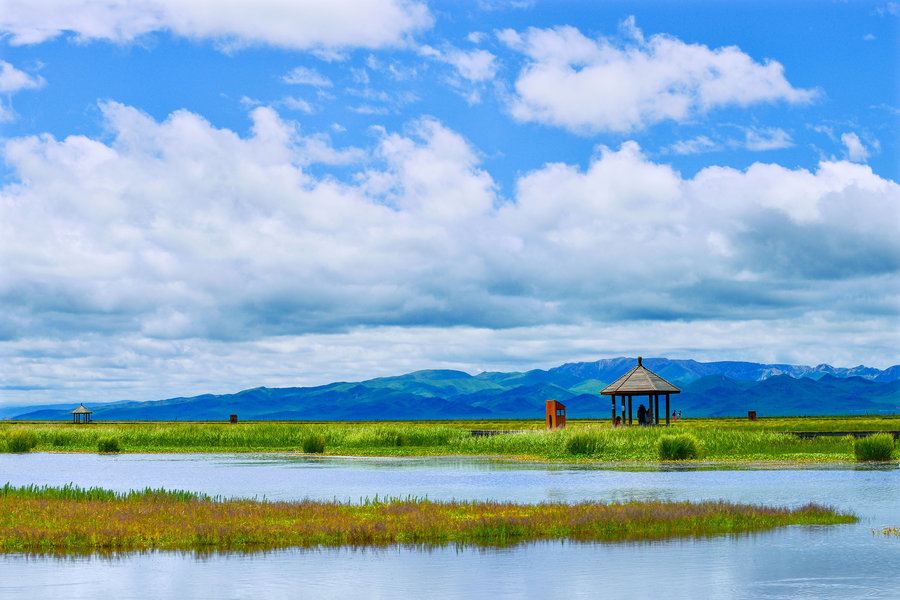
{"x":639,"y":361}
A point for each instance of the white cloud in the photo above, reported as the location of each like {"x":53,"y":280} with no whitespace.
{"x":306,"y":76}
{"x":855,"y":150}
{"x":13,"y":80}
{"x":696,"y":145}
{"x":476,"y":65}
{"x":588,"y":85}
{"x":186,"y":248}
{"x":294,"y":103}
{"x":297,"y":24}
{"x":472,"y":67}
{"x":769,"y":138}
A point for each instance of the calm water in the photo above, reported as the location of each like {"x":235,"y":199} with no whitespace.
{"x":833,"y":562}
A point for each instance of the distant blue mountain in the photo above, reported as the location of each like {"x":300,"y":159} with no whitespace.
{"x":708,"y":389}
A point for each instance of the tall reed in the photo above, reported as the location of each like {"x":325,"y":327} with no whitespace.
{"x":874,"y":447}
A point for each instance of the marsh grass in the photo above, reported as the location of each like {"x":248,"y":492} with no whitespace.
{"x":683,"y":446}
{"x":21,"y":440}
{"x":75,"y":520}
{"x":108,"y":445}
{"x":314,"y":444}
{"x":582,"y":441}
{"x":878,"y":446}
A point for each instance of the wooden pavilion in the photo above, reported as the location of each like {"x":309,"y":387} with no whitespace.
{"x":640,"y":381}
{"x":81,"y":415}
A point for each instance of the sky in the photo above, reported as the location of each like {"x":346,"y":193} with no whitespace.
{"x":203,"y":197}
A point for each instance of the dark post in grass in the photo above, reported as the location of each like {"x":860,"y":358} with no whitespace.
{"x":640,"y":381}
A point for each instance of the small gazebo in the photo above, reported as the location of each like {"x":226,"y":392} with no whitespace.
{"x":640,"y":381}
{"x":81,"y":415}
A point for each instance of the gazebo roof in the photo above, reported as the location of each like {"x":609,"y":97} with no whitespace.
{"x":81,"y":410}
{"x":640,"y":381}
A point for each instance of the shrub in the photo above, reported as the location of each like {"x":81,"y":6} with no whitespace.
{"x":108,"y":445}
{"x":21,"y":441}
{"x":683,"y":446}
{"x":874,"y":447}
{"x":314,"y":444}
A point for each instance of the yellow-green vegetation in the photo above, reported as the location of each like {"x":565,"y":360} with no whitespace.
{"x":579,"y":441}
{"x":108,"y":445}
{"x":878,"y":446}
{"x":682,"y":446}
{"x":887,"y":531}
{"x":72,"y":520}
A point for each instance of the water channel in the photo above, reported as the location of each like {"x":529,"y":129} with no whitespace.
{"x":846,"y":561}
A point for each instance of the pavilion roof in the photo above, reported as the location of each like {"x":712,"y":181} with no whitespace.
{"x":640,"y":381}
{"x":81,"y":410}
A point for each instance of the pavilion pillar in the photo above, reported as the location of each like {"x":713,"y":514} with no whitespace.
{"x":623,"y":410}
{"x":613,"y":409}
{"x":667,"y":410}
{"x":629,"y":410}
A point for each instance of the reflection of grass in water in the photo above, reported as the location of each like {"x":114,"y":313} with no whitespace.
{"x":65,"y":520}
{"x":578,"y":442}
{"x":887,"y":531}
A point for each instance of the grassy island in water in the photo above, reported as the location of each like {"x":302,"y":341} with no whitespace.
{"x":73,"y":520}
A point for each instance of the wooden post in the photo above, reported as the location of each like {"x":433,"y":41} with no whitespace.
{"x":667,"y":410}
{"x":623,"y":410}
{"x":613,"y":409}
{"x":629,"y":410}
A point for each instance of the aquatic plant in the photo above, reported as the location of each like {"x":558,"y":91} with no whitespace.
{"x":314,"y":444}
{"x":108,"y":445}
{"x":878,"y":446}
{"x":71,"y":519}
{"x":21,"y":441}
{"x":682,"y":446}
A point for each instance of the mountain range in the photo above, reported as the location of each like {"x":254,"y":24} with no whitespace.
{"x":708,"y":389}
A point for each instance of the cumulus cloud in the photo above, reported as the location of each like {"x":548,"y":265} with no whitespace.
{"x":296,"y":24}
{"x":181,"y":244}
{"x":588,"y":86}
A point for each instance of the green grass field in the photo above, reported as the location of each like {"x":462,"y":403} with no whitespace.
{"x":719,"y":439}
{"x":72,"y":520}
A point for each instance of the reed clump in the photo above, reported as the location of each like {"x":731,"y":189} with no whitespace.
{"x":314,"y":444}
{"x":21,"y":440}
{"x":109,"y":445}
{"x":74,"y":520}
{"x":682,"y":446}
{"x":876,"y":447}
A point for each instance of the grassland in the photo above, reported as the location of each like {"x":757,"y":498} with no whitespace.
{"x":718,"y":439}
{"x":72,"y":520}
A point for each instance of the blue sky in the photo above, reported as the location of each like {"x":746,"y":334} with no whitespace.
{"x":203,"y":197}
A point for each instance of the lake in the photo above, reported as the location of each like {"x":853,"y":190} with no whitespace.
{"x":845,"y":561}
